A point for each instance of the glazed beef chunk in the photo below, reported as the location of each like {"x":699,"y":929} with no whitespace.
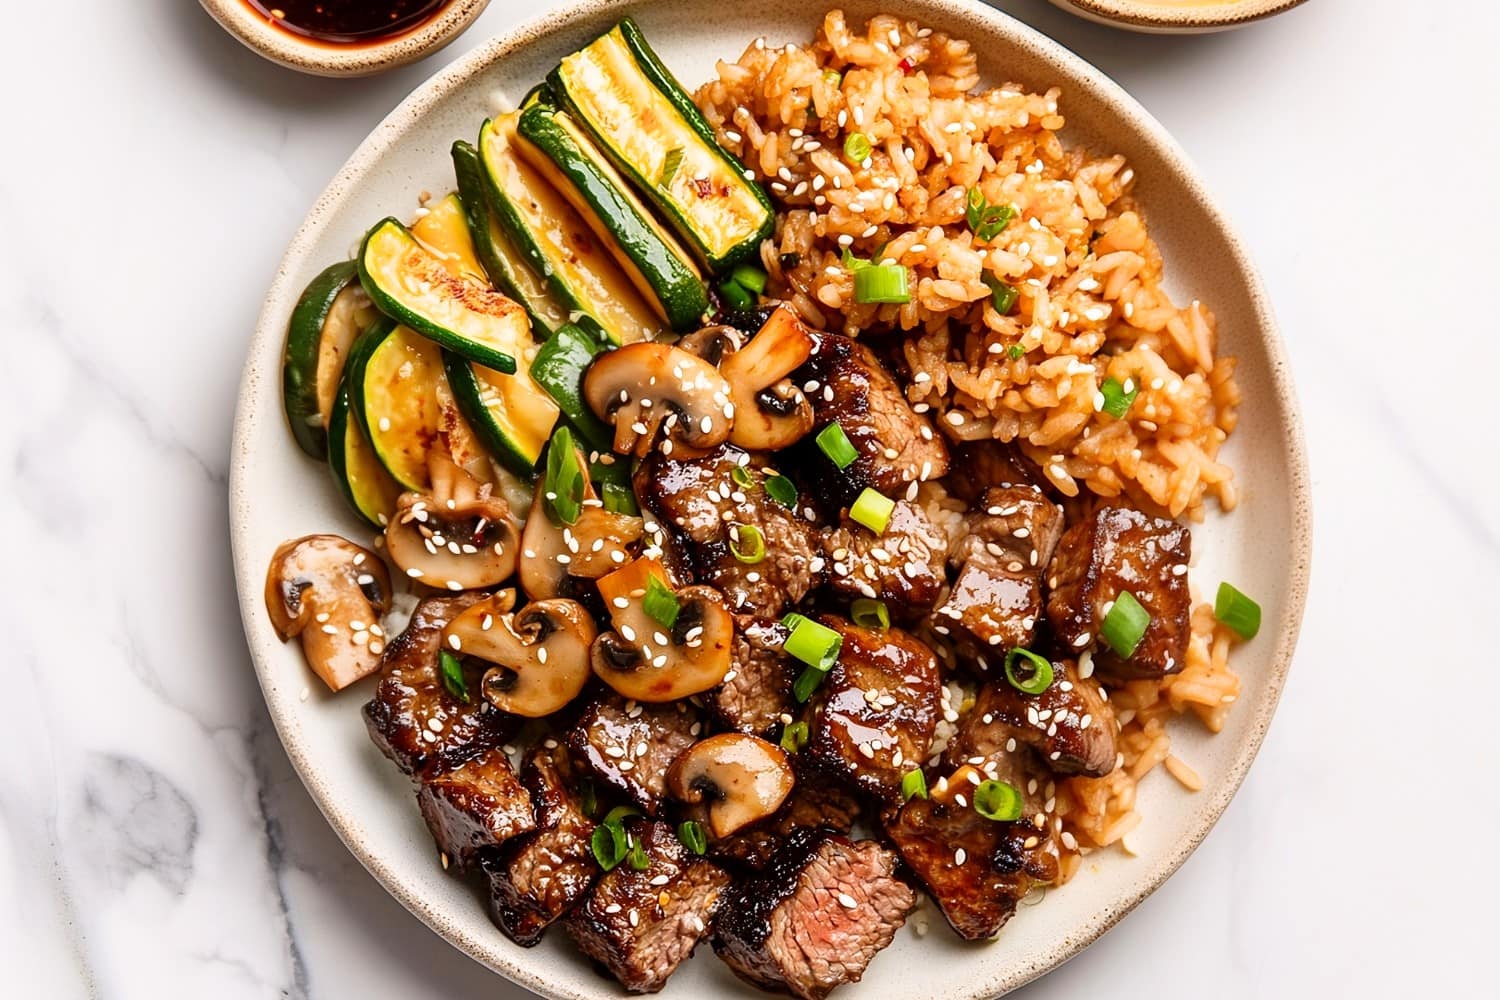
{"x":996,"y":598}
{"x":1070,"y":724}
{"x":700,"y":507}
{"x":815,"y":917}
{"x":537,"y":878}
{"x":873,"y":717}
{"x":642,"y":924}
{"x":813,"y":805}
{"x":978,"y":466}
{"x":1119,"y":549}
{"x":903,"y":565}
{"x":629,"y":745}
{"x":413,"y":718}
{"x":757,"y":691}
{"x":897,"y":446}
{"x":475,"y":807}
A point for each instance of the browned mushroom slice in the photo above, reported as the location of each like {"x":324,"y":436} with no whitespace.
{"x":597,"y":543}
{"x":458,"y":537}
{"x":541,"y":652}
{"x":770,"y":411}
{"x":647,"y":389}
{"x":736,"y":778}
{"x":331,"y":593}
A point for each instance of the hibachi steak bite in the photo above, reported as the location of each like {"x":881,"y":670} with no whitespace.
{"x":902,"y":565}
{"x":475,"y":807}
{"x":414,"y":718}
{"x":536,"y":878}
{"x":896,"y":445}
{"x":1119,"y":549}
{"x":757,"y":691}
{"x":628,"y":745}
{"x":873,"y":717}
{"x":815,"y":917}
{"x":642,"y":923}
{"x":703,"y":513}
{"x":1070,"y":724}
{"x":815,"y":803}
{"x":977,"y":466}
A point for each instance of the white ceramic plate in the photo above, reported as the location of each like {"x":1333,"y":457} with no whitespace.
{"x":277,"y":493}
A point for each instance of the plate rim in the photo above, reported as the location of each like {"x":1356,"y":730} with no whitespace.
{"x":249,"y":577}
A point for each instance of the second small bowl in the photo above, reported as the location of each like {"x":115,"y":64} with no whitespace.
{"x":1176,"y":17}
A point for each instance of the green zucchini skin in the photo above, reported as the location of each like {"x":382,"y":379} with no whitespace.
{"x":357,"y":376}
{"x":469,"y":395}
{"x":679,"y":291}
{"x":361,"y":479}
{"x":388,"y":300}
{"x":558,"y":368}
{"x":299,"y":359}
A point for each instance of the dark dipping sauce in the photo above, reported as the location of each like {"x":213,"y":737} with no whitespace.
{"x":346,"y":22}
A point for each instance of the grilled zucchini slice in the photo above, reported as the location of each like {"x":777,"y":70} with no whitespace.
{"x":356,"y":468}
{"x":327,"y":319}
{"x":393,"y":386}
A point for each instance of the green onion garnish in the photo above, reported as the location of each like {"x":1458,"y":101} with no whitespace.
{"x":857,"y":147}
{"x":1015,"y":352}
{"x":1116,"y":399}
{"x":669,"y":165}
{"x":833,"y":77}
{"x":873,"y":509}
{"x":660,"y":603}
{"x":608,"y":845}
{"x":588,"y":797}
{"x":564,"y":484}
{"x":743,"y":477}
{"x":1002,"y":295}
{"x":814,"y":644}
{"x":736,"y":294}
{"x":751,"y":277}
{"x":807,"y":682}
{"x":794,"y":737}
{"x":881,"y":283}
{"x":617,"y":815}
{"x":782,"y":490}
{"x":1041,"y":671}
{"x":836,"y":445}
{"x":637,"y":856}
{"x":618,"y":499}
{"x":870,"y":613}
{"x":452,"y":670}
{"x":1125,"y":624}
{"x":986,"y":221}
{"x":747,"y":543}
{"x":998,"y":801}
{"x":1237,"y":611}
{"x":690,"y":832}
{"x":913,"y":785}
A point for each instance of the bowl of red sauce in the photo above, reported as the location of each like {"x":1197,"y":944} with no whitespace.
{"x":344,"y":37}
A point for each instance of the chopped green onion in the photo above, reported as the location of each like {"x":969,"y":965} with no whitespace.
{"x":998,"y":801}
{"x":836,"y":445}
{"x":986,"y":221}
{"x":669,"y":165}
{"x":452,"y":670}
{"x":564,"y":484}
{"x":1117,"y":398}
{"x":660,"y":603}
{"x":1041,"y":671}
{"x":913,"y":785}
{"x":794,"y":737}
{"x":881,"y":283}
{"x":870,"y":613}
{"x":873,"y":509}
{"x":751,"y":277}
{"x":588,"y":797}
{"x":833,"y":77}
{"x":736,"y":294}
{"x":637,"y":856}
{"x":1002,"y":295}
{"x":618,"y":815}
{"x":791,"y":618}
{"x":1237,"y":611}
{"x":743,"y":477}
{"x":1015,"y":352}
{"x":750,"y":544}
{"x":857,"y":147}
{"x":690,"y":832}
{"x":608,"y":845}
{"x":618,"y":499}
{"x":1125,"y":624}
{"x":807,"y":682}
{"x":814,"y":644}
{"x":782,"y":490}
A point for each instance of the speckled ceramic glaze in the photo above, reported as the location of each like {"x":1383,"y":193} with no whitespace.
{"x":1176,"y":18}
{"x":1264,"y":547}
{"x":321,"y":59}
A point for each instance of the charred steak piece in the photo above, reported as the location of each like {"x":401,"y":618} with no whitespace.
{"x":629,"y":745}
{"x":757,"y":691}
{"x":896,"y":445}
{"x":873,"y":717}
{"x":996,"y":599}
{"x":1119,"y":549}
{"x":413,"y":718}
{"x":537,"y":878}
{"x":1070,"y":724}
{"x":701,"y":508}
{"x":642,"y":924}
{"x":475,"y":807}
{"x":978,"y":466}
{"x":902,"y":565}
{"x":813,"y":805}
{"x":815,"y":917}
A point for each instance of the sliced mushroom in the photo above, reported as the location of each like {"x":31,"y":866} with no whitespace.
{"x":648,"y":661}
{"x":737,"y":778}
{"x":541,"y":652}
{"x":646,"y":389}
{"x":597,"y":543}
{"x":458,"y":537}
{"x":332,"y":593}
{"x":771,"y":412}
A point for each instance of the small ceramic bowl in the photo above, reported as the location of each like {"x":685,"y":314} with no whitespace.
{"x":241,"y":19}
{"x":1176,"y":17}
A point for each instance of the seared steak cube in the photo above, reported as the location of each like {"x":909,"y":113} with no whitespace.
{"x":413,"y":718}
{"x":978,"y":466}
{"x":815,"y":917}
{"x":537,"y":878}
{"x":1115,"y":550}
{"x":701,"y":509}
{"x":474,"y":807}
{"x":642,"y":924}
{"x":815,"y":804}
{"x":757,"y":691}
{"x":873,"y":717}
{"x":629,"y":745}
{"x":903,"y":565}
{"x":1070,"y":724}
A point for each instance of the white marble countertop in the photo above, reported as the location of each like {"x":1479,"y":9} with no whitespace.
{"x":153,"y":839}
